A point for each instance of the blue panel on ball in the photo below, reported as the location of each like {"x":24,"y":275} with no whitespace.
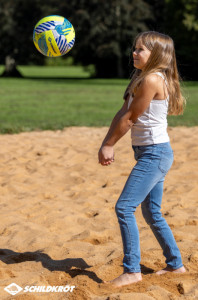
{"x":66,"y":25}
{"x":43,"y":45}
{"x":58,"y":28}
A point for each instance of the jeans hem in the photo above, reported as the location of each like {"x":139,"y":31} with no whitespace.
{"x":132,"y":271}
{"x":175,"y":268}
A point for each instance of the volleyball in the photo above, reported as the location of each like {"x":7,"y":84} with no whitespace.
{"x":54,"y":36}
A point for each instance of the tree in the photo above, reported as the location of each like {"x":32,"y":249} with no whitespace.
{"x":105,"y":31}
{"x":158,"y":10}
{"x":16,"y":22}
{"x":181,"y":22}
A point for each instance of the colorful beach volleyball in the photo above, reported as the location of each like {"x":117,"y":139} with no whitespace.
{"x":54,"y":36}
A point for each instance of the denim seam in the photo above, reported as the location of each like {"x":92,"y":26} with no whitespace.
{"x":128,"y":230}
{"x":170,"y":249}
{"x":163,"y":152}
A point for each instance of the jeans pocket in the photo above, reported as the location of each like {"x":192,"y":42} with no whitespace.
{"x":166,"y":161}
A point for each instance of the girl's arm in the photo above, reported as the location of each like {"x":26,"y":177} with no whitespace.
{"x":115,"y":120}
{"x":145,"y":93}
{"x":102,"y":153}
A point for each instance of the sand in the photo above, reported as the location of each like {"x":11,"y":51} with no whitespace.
{"x":58,"y":224}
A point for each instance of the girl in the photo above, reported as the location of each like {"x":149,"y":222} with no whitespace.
{"x":153,"y":92}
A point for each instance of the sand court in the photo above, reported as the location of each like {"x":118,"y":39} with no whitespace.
{"x":58,"y":223}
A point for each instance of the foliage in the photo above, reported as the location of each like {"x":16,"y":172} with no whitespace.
{"x":181,"y":22}
{"x":17,"y":20}
{"x":104,"y":30}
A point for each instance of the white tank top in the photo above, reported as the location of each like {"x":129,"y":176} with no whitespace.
{"x":151,"y":127}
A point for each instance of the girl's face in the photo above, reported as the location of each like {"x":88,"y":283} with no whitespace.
{"x":140,"y":55}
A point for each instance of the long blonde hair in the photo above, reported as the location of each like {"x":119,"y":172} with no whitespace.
{"x":162,"y":59}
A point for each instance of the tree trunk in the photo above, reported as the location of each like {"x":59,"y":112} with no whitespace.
{"x":10,"y":68}
{"x":120,"y":72}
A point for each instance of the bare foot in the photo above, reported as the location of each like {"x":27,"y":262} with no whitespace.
{"x":168,"y":269}
{"x":125,"y":279}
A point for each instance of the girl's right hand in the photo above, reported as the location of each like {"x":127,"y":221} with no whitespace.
{"x":106,"y":155}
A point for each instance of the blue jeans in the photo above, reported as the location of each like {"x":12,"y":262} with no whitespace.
{"x":145,"y":186}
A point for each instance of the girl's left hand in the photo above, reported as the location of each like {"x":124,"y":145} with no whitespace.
{"x":106,"y":155}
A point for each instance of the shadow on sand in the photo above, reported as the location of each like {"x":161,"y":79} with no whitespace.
{"x":64,"y":265}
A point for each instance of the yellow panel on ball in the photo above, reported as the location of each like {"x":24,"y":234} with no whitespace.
{"x":49,"y":18}
{"x":53,"y":49}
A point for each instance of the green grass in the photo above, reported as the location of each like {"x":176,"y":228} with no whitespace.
{"x":189,"y":118}
{"x":54,"y":101}
{"x":54,"y":71}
